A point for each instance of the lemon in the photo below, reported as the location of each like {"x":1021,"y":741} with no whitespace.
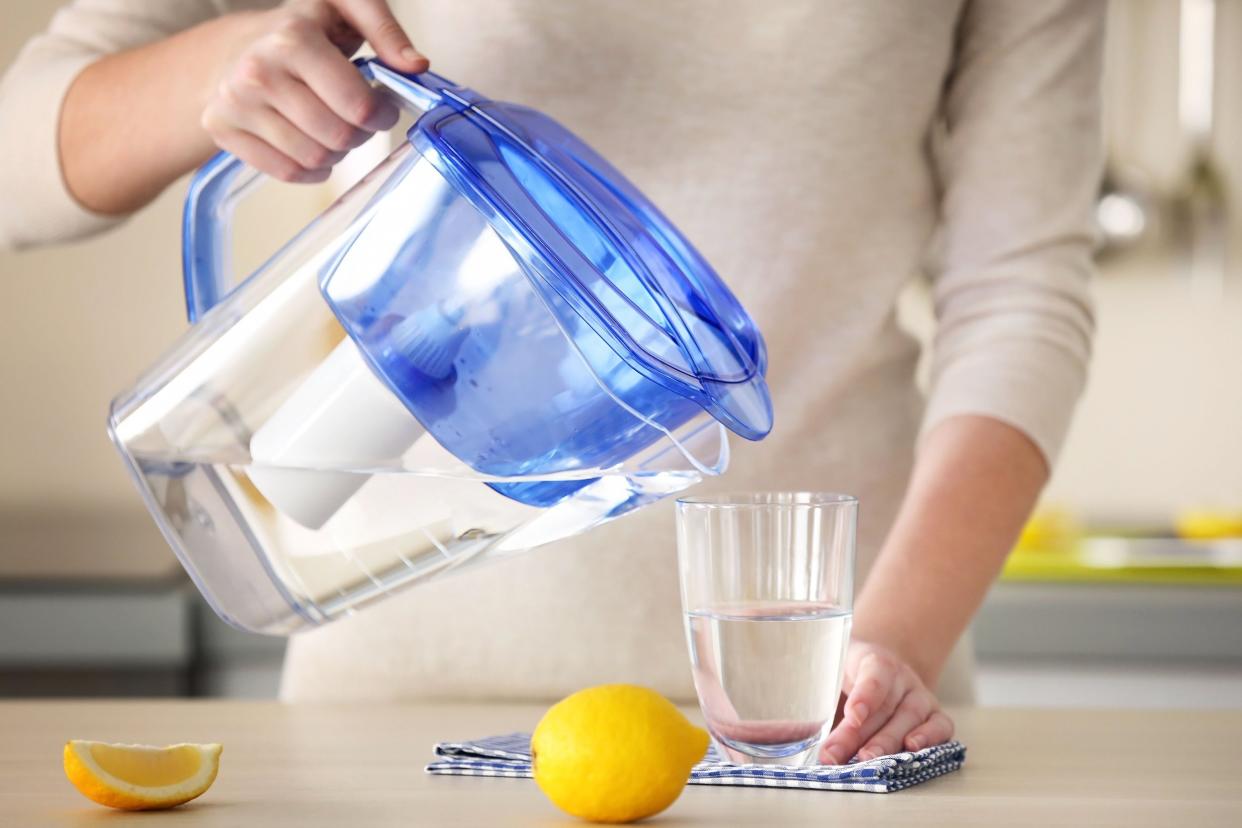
{"x":140,"y":777}
{"x":615,"y":753}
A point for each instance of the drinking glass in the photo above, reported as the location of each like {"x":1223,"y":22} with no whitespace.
{"x":767,"y":591}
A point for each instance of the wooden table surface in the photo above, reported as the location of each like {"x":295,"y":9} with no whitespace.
{"x":361,"y":765}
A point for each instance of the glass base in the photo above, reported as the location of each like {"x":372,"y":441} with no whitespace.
{"x":799,"y":753}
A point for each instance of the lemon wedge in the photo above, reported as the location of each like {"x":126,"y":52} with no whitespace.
{"x":140,"y":777}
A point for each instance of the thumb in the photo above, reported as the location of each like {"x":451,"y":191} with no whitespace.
{"x":375,"y":22}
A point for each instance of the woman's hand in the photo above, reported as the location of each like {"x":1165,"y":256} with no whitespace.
{"x":289,"y":101}
{"x":887,"y":708}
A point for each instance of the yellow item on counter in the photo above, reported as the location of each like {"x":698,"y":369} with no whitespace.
{"x":615,"y":753}
{"x":1206,"y":524}
{"x":140,"y":777}
{"x":1049,"y":530}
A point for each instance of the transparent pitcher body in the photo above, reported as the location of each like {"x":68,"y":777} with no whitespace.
{"x":282,"y":528}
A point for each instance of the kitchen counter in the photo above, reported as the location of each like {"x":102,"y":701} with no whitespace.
{"x":362,"y":765}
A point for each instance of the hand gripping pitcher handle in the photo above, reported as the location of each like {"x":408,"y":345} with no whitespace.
{"x":319,"y":419}
{"x":225,"y":179}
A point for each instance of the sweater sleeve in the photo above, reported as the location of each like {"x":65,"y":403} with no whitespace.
{"x":37,"y":207}
{"x":1019,"y":167}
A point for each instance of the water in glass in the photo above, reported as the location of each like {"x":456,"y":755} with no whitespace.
{"x":745,"y":658}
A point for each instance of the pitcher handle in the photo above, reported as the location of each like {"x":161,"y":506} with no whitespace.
{"x":206,"y":228}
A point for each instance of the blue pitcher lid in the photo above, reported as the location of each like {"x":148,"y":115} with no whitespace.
{"x":597,"y":248}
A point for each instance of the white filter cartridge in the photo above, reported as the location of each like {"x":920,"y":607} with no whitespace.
{"x":342,"y":416}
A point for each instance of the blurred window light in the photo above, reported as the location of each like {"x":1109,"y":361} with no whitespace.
{"x":1120,"y":217}
{"x":1194,"y":87}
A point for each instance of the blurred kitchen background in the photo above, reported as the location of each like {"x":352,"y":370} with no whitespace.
{"x":1125,"y":590}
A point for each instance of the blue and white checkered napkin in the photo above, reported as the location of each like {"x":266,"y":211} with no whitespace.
{"x":509,"y":755}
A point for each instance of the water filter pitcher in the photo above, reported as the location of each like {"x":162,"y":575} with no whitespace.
{"x":491,"y":342}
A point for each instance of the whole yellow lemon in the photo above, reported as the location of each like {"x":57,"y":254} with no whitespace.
{"x":615,"y":753}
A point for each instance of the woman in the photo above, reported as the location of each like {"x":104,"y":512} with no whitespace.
{"x":821,"y":154}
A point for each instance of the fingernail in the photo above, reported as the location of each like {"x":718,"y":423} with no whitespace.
{"x":861,"y":711}
{"x":915,"y":743}
{"x":384,"y":118}
{"x":410,"y":55}
{"x":830,"y":757}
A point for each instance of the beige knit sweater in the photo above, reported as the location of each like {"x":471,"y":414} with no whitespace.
{"x":821,"y":153}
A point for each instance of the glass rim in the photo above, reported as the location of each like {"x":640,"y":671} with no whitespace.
{"x":756,"y":500}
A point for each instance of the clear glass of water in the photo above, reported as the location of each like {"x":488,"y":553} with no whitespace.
{"x":767,"y":583}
